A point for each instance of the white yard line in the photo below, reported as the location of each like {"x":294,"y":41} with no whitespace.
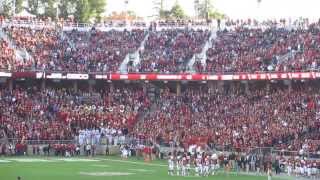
{"x":77,"y":160}
{"x":140,"y":170}
{"x":29,"y":160}
{"x":105,"y":173}
{"x":130,"y":162}
{"x":4,"y":161}
{"x":100,"y":165}
{"x":162,"y":165}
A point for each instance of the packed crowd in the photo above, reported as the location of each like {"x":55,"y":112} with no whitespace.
{"x":279,"y":118}
{"x":7,"y":56}
{"x":103,"y":51}
{"x":242,"y":48}
{"x":170,"y":50}
{"x":92,"y":50}
{"x":287,"y":120}
{"x":61,"y":114}
{"x":254,"y":49}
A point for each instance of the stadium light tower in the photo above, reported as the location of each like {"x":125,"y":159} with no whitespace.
{"x":1,"y":5}
{"x":196,"y":8}
{"x":126,"y":2}
{"x":56,"y":6}
{"x":259,"y":9}
{"x":14,"y":7}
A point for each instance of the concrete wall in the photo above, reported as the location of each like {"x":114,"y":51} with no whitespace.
{"x":100,"y":150}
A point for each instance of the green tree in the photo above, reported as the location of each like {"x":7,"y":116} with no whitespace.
{"x":177,"y":11}
{"x":87,"y":9}
{"x":19,"y":7}
{"x":50,"y":10}
{"x":67,"y":8}
{"x":7,"y":7}
{"x":97,"y":7}
{"x":33,"y":7}
{"x":205,"y":9}
{"x":159,"y":8}
{"x":82,"y":13}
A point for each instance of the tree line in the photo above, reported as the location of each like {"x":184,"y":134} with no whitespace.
{"x":85,"y":10}
{"x":204,"y":9}
{"x":81,"y":10}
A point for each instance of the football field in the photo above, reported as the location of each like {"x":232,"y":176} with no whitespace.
{"x":97,"y":168}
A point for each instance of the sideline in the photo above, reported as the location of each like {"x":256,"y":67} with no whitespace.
{"x":285,"y":177}
{"x":131,"y":162}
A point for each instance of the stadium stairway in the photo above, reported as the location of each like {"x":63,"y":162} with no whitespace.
{"x":133,"y":58}
{"x":3,"y":137}
{"x":19,"y":53}
{"x":70,"y":43}
{"x":286,"y":57}
{"x":202,"y":57}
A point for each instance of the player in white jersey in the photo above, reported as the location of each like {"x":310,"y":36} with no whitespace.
{"x":184,"y":166}
{"x":214,"y":163}
{"x":206,"y":167}
{"x":198,"y":166}
{"x":188,"y":166}
{"x":314,"y":170}
{"x":269,"y":173}
{"x":309,"y":170}
{"x":302,"y":169}
{"x":178,"y":166}
{"x":171,"y":166}
{"x":289,"y":168}
{"x":297,"y":169}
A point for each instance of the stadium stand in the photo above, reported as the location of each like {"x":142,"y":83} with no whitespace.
{"x":7,"y":57}
{"x":169,"y":51}
{"x":238,"y":119}
{"x":59,"y":114}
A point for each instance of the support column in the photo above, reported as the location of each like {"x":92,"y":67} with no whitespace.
{"x":111,"y":87}
{"x":178,"y":89}
{"x":43,"y":84}
{"x":290,"y":85}
{"x":10,"y":84}
{"x":91,"y":83}
{"x":268,"y":86}
{"x":247,"y":89}
{"x":75,"y":86}
{"x":144,"y":87}
{"x":221,"y":86}
{"x":211,"y":87}
{"x":90,"y":88}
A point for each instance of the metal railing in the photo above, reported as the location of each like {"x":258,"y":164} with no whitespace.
{"x":34,"y":70}
{"x":268,"y":150}
{"x":40,"y":141}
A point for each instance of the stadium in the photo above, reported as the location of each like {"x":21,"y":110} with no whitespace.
{"x":159,"y":89}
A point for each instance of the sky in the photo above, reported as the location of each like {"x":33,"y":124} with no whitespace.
{"x":232,"y":8}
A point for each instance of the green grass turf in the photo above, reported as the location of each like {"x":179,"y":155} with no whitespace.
{"x":60,"y":170}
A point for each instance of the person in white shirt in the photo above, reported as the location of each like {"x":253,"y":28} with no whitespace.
{"x":269,"y":173}
{"x":188,"y":166}
{"x":309,"y":170}
{"x":214,"y":163}
{"x":198,"y":165}
{"x":289,"y":168}
{"x":170,"y":166}
{"x":184,"y":166}
{"x":178,"y":166}
{"x":206,"y":167}
{"x":124,"y":153}
{"x":88,"y":149}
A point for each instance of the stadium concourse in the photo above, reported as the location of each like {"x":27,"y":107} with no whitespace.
{"x":246,"y":89}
